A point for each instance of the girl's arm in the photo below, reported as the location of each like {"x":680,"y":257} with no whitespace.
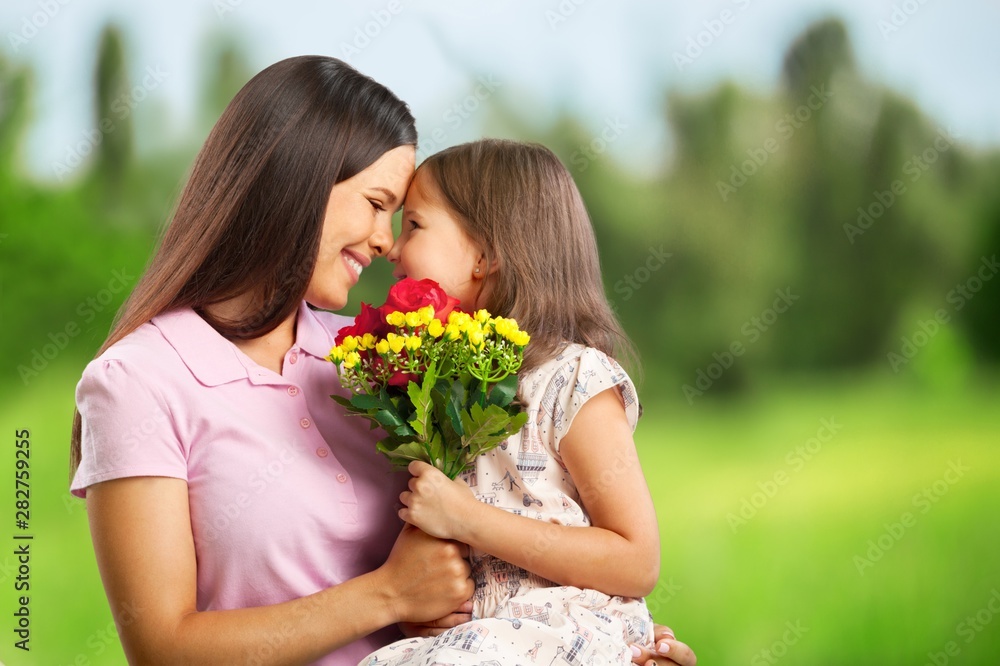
{"x":618,"y":555}
{"x":142,"y":536}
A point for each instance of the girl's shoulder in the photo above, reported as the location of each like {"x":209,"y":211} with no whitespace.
{"x":558,"y":389}
{"x":575,"y":357}
{"x":579,"y":372}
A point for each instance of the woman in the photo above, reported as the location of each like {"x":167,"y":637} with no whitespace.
{"x":236,"y":516}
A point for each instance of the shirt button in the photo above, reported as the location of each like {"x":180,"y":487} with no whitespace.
{"x":322,"y":452}
{"x":293,"y":358}
{"x":305,"y":423}
{"x":293,"y":391}
{"x":342,"y":478}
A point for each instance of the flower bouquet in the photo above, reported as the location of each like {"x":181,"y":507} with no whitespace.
{"x":442,"y":383}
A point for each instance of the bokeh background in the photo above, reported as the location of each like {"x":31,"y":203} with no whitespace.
{"x":799,"y":219}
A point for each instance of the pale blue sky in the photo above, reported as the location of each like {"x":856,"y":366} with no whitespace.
{"x":608,"y":59}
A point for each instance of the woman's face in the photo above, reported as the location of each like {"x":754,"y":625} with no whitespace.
{"x":434,"y":245}
{"x":358,"y":226}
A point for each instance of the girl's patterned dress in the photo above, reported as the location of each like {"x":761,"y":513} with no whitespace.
{"x":518,"y":617}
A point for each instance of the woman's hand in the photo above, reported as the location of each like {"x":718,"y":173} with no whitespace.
{"x":669,"y":651}
{"x":426,"y":578}
{"x":461,"y":615}
{"x":435,"y":503}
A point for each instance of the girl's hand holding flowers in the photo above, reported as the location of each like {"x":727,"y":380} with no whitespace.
{"x":440,"y":506}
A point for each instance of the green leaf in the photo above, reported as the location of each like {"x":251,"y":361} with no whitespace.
{"x":477,"y":393}
{"x":342,"y":401}
{"x":420,"y":396}
{"x":399,"y":454}
{"x":486,"y":428}
{"x":456,"y":404}
{"x":503,"y":392}
{"x":389,"y":419}
{"x":517,"y":422}
{"x":365,"y":401}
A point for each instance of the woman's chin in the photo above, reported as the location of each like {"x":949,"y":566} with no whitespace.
{"x":331,"y":302}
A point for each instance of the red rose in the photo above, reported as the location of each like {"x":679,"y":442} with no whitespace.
{"x":369,"y":320}
{"x":409,"y":295}
{"x":402,"y":379}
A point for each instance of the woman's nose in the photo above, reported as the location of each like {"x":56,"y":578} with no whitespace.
{"x":381,"y":240}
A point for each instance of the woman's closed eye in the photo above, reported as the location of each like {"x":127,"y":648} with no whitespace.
{"x":377,"y":205}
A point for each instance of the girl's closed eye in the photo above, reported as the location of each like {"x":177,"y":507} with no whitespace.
{"x":413,"y":225}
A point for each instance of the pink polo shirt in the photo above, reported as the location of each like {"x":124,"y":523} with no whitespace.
{"x":288,"y":496}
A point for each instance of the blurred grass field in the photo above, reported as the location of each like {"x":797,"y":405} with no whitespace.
{"x":735,"y":586}
{"x":784,"y":587}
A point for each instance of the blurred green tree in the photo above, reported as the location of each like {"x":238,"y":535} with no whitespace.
{"x":15,"y":84}
{"x":228,"y":71}
{"x":113,"y":104}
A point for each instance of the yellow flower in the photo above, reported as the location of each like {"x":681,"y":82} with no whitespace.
{"x":396,"y":318}
{"x":350,"y":343}
{"x":396,"y":342}
{"x":336,"y":354}
{"x":353,"y":359}
{"x":504,"y":327}
{"x":476,"y":339}
{"x":452,"y":331}
{"x":367,"y":341}
{"x":426,"y":314}
{"x":520,"y":338}
{"x":482,"y":316}
{"x":413,"y":343}
{"x":435,"y":329}
{"x":382,"y":346}
{"x":459,"y":319}
{"x":413,"y":319}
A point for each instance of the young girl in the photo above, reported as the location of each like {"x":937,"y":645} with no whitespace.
{"x":561,"y":526}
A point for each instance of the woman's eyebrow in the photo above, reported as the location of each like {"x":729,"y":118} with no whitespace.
{"x":390,"y":197}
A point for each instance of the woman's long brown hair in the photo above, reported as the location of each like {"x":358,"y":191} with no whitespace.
{"x":249,"y":220}
{"x":520,"y":204}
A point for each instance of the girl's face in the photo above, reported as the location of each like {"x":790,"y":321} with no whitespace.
{"x":358,"y":226}
{"x":434,"y":245}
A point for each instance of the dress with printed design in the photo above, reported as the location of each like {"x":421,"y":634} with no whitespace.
{"x":519,"y":617}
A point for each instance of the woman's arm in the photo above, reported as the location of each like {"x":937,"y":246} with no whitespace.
{"x":618,"y":555}
{"x":142,"y":536}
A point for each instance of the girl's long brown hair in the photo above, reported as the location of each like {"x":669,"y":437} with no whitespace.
{"x":249,"y":220}
{"x":520,"y":204}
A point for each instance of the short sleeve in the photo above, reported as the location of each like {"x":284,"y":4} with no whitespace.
{"x":582,"y":377}
{"x":127,"y":429}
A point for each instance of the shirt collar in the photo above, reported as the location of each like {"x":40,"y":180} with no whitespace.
{"x":311,"y":335}
{"x":214,"y":360}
